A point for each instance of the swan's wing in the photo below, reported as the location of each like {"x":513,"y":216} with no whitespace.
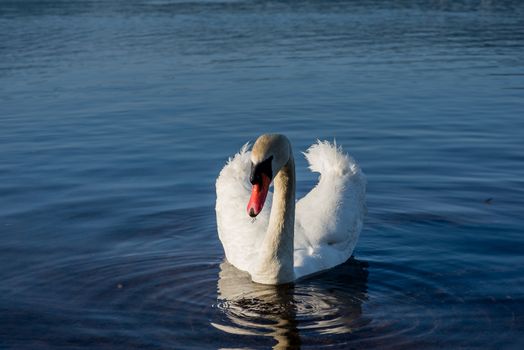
{"x":240,"y":235}
{"x":330,"y":217}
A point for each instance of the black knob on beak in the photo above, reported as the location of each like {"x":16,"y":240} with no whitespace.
{"x":261,"y":168}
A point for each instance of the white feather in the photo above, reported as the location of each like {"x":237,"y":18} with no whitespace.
{"x":328,"y":220}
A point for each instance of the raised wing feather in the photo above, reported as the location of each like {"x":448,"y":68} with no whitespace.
{"x":240,"y":235}
{"x":328,"y":219}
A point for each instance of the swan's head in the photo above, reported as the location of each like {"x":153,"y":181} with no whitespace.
{"x":269,"y":154}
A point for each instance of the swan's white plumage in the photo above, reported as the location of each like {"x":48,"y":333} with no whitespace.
{"x":328,"y":220}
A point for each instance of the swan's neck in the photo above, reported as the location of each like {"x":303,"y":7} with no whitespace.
{"x":274,"y":264}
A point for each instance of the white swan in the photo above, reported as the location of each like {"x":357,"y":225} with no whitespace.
{"x":283,"y":244}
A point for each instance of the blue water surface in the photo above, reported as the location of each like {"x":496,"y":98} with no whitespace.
{"x":117,"y":116}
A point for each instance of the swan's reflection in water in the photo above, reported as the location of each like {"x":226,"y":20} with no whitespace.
{"x":329,"y":303}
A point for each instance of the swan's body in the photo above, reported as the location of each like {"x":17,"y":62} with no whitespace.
{"x":288,"y":239}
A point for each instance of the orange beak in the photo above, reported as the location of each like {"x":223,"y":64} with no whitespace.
{"x":258,"y":196}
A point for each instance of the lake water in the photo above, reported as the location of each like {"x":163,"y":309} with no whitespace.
{"x":117,"y":116}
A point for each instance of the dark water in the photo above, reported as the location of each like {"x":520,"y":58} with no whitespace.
{"x":116,"y":117}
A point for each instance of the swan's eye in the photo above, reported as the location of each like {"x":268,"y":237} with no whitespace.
{"x":257,"y":170}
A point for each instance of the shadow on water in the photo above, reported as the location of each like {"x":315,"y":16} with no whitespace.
{"x":329,"y":304}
